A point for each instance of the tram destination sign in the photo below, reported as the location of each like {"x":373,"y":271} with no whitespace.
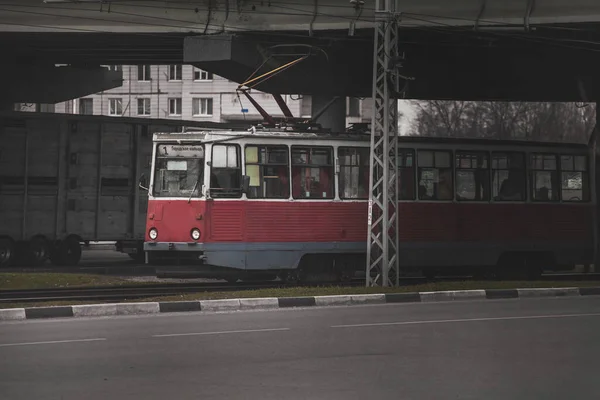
{"x":178,"y":150}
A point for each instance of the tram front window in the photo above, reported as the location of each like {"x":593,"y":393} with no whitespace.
{"x":179,"y":170}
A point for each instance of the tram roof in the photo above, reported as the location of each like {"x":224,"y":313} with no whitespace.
{"x":230,"y":135}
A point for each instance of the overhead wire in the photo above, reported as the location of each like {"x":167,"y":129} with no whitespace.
{"x":522,"y":37}
{"x":140,"y":34}
{"x":168,"y":6}
{"x":196,"y":29}
{"x":430,"y":19}
{"x":90,"y":18}
{"x":170,"y":35}
{"x":274,"y":5}
{"x":433,"y":19}
{"x":457,"y":30}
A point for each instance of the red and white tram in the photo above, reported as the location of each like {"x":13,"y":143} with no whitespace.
{"x":287,"y":203}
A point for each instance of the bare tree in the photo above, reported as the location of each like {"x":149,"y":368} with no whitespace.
{"x":556,"y":122}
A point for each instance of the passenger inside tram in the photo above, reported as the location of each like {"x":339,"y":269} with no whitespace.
{"x":512,"y":187}
{"x":445,"y":185}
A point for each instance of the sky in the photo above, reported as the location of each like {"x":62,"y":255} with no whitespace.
{"x":409,"y":112}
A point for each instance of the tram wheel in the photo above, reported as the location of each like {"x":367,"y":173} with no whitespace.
{"x":291,"y":277}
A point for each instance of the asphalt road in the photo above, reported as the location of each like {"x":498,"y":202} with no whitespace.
{"x":506,"y":349}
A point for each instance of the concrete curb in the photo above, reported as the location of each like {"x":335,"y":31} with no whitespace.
{"x":270,"y":303}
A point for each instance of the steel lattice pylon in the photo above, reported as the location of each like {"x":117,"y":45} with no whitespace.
{"x":382,"y":250}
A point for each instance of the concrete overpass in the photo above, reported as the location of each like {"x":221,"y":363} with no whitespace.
{"x":170,"y":16}
{"x":475,"y":49}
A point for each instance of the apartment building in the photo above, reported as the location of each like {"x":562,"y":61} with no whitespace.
{"x":186,"y":92}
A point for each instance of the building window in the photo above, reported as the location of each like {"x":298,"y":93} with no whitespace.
{"x":202,"y":107}
{"x":175,"y":106}
{"x":574,"y":177}
{"x":312,"y":172}
{"x":435,"y":175}
{"x":143,"y":73}
{"x":472,"y":176}
{"x":86,"y":106}
{"x":354,"y":172}
{"x":143,"y":106}
{"x":175,"y":72}
{"x":508,"y":176}
{"x":544,"y":177}
{"x":200,"y":75}
{"x":268,"y":169}
{"x":353,"y":107}
{"x":226,"y":172}
{"x":115,"y":107}
{"x":115,"y":68}
{"x":406,"y":174}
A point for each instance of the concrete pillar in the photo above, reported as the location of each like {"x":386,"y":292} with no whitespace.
{"x":335,"y":116}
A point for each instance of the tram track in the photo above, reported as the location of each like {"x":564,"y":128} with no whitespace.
{"x":128,"y":292}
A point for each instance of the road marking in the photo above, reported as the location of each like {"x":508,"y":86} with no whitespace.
{"x":52,"y":342}
{"x":444,"y":321}
{"x":222,"y":332}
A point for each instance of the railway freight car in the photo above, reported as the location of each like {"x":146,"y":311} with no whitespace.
{"x":295,"y":204}
{"x":70,"y":179}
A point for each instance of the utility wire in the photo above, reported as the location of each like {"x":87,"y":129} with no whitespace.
{"x":412,"y":16}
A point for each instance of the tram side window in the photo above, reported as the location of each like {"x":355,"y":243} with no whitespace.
{"x":268,"y":169}
{"x":472,"y":176}
{"x":544,"y":177}
{"x":508,"y":176}
{"x":312,"y":172}
{"x":435,"y":175}
{"x":406,"y":174}
{"x":179,"y":171}
{"x":574,"y":177}
{"x":354,"y":172}
{"x":225,"y":174}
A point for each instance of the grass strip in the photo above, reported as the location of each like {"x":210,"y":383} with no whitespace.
{"x":50,"y":280}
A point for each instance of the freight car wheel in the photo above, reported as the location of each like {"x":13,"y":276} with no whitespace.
{"x":67,"y":253}
{"x":37,"y":251}
{"x":6,"y":252}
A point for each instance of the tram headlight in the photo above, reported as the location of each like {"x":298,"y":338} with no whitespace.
{"x":195,"y":233}
{"x":153,"y":233}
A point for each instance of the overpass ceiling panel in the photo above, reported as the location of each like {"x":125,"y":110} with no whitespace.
{"x":300,"y":15}
{"x":506,"y":69}
{"x":334,"y":68}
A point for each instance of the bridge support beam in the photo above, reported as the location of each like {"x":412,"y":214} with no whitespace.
{"x":49,"y":84}
{"x":382,"y":250}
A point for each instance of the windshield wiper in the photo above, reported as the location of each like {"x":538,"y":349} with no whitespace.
{"x":193,"y":190}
